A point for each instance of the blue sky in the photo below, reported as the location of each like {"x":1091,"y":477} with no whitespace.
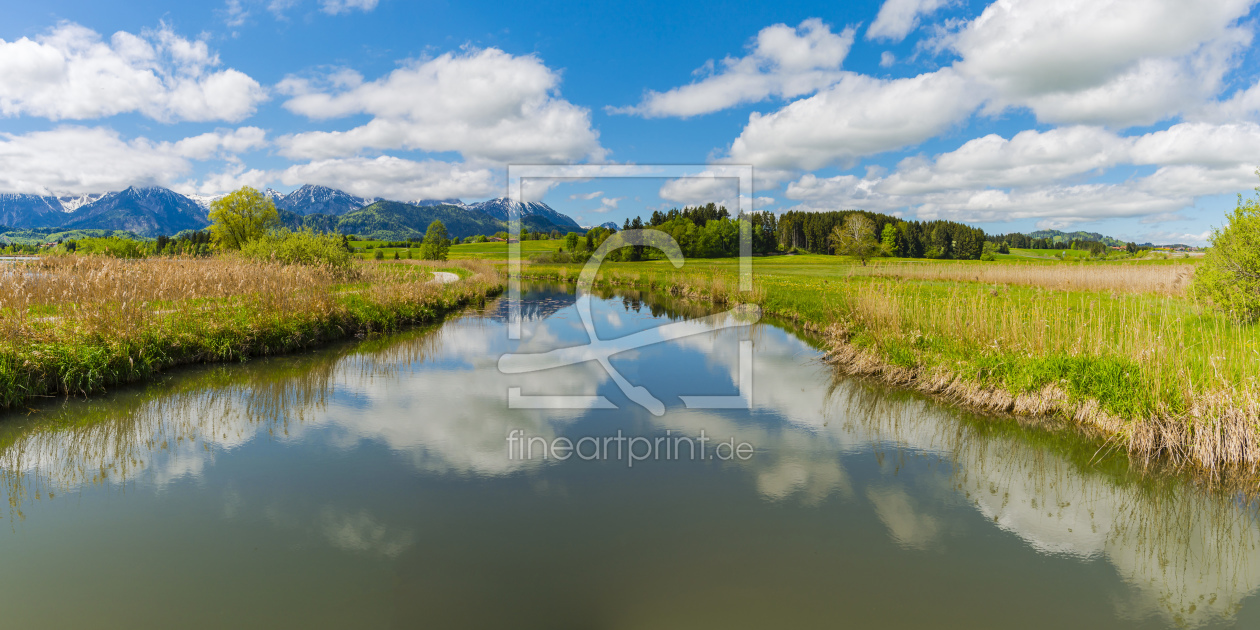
{"x":1136,"y":118}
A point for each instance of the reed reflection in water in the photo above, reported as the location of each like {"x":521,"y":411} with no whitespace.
{"x":931,"y":478}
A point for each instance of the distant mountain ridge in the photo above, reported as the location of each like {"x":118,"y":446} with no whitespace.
{"x":146,"y":211}
{"x":1057,"y":236}
{"x":501,"y":209}
{"x":310,"y":199}
{"x":152,"y":211}
{"x":396,"y":221}
{"x":18,"y":210}
{"x":72,"y":203}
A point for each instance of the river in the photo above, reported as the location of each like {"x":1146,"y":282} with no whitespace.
{"x":374,"y":484}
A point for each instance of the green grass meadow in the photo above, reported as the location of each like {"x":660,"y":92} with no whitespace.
{"x":1136,"y":355}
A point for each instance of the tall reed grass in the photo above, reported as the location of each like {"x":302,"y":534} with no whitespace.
{"x":1169,"y":279}
{"x":1116,"y":348}
{"x":75,"y":324}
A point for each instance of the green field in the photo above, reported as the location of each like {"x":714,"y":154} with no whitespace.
{"x":1117,"y":346}
{"x":496,"y":251}
{"x":1077,"y":255}
{"x":1044,"y":254}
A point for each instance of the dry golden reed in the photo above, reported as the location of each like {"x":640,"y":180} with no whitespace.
{"x":54,"y":296}
{"x":74,"y":324}
{"x":1115,"y":347}
{"x":1120,"y":277}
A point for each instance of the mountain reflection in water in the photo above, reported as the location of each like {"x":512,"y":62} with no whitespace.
{"x":949,"y":493}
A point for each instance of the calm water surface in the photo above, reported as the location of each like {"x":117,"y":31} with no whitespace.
{"x":370,"y":486}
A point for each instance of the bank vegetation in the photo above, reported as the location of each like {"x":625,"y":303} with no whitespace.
{"x":1124,"y":351}
{"x":73,"y":324}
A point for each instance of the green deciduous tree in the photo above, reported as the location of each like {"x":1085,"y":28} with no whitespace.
{"x":990,"y":252}
{"x":855,"y":237}
{"x":1230,"y":274}
{"x":436,"y":242}
{"x":888,"y":240}
{"x":240,"y":217}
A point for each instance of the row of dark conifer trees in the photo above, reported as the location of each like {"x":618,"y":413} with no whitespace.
{"x":809,"y":232}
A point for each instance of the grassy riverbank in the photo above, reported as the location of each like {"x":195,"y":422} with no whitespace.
{"x":77,"y":324}
{"x":1117,"y":347}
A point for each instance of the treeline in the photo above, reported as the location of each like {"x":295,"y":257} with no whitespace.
{"x":187,"y":243}
{"x":708,"y":231}
{"x":1024,"y":241}
{"x":810,"y":231}
{"x":194,"y":242}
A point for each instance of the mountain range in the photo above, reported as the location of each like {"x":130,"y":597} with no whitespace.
{"x":152,"y":211}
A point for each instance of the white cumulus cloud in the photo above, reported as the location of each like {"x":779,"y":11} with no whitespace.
{"x":1046,"y":175}
{"x":396,"y":178}
{"x":1242,"y":105}
{"x":1080,"y":63}
{"x":72,"y":159}
{"x":897,"y":18}
{"x":783,"y":61}
{"x":700,"y":190}
{"x":1116,"y":62}
{"x":1027,"y":159}
{"x":234,"y":13}
{"x":231,"y":178}
{"x":607,"y":204}
{"x":70,"y":72}
{"x":232,"y":141}
{"x":858,"y":116}
{"x":480,"y":103}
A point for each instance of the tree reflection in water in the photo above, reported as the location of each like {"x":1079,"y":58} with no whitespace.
{"x":1191,"y":554}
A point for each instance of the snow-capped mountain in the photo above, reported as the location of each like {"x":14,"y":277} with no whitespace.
{"x":23,"y":210}
{"x":305,"y":200}
{"x":311,"y":199}
{"x":147,"y":211}
{"x":70,"y":203}
{"x":500,"y":208}
{"x":152,"y":211}
{"x":204,"y":200}
{"x":609,"y":225}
